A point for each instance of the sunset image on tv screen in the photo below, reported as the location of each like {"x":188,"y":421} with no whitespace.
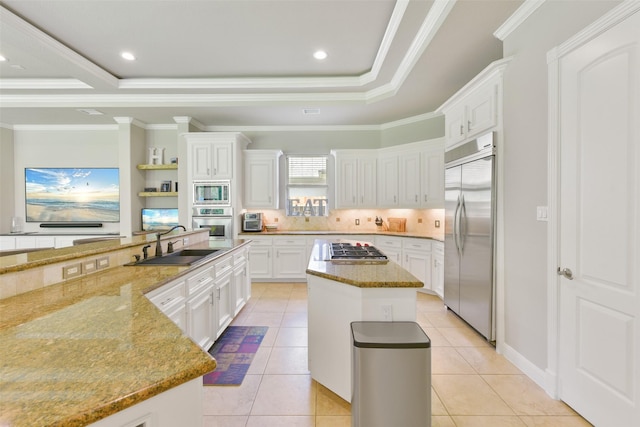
{"x":72,"y":195}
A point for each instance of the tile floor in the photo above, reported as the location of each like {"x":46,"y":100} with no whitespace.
{"x":472,"y":385}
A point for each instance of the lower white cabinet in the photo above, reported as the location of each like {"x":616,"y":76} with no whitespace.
{"x":205,"y":301}
{"x":391,"y":247}
{"x":437,"y":271}
{"x":416,"y":259}
{"x":290,"y":258}
{"x":261,"y":258}
{"x":201,"y":317}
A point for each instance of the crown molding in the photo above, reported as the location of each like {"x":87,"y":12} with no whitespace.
{"x":43,"y":84}
{"x":517,"y":18}
{"x":113,"y":127}
{"x":410,"y":120}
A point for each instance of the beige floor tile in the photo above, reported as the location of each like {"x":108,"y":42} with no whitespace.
{"x":485,"y":360}
{"x":423,"y":320}
{"x":264,"y":319}
{"x":298,"y":319}
{"x":427,"y":302}
{"x":444,"y":319}
{"x":285,"y":395}
{"x":437,"y":408}
{"x":525,"y":397}
{"x":436,"y":338}
{"x":487,"y":421}
{"x":260,"y":359}
{"x":231,"y":400}
{"x":275,"y":305}
{"x":292,"y":337}
{"x":464,"y":337}
{"x":446,"y":360}
{"x":270,"y":337}
{"x":442,"y":421}
{"x":281,"y":421}
{"x":224,"y":421}
{"x":554,"y":421}
{"x":296,"y":306}
{"x":288,"y":361}
{"x":333,"y":421}
{"x":329,"y":403}
{"x":468,"y":395}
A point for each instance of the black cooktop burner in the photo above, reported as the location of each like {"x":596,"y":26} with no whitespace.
{"x":349,"y":252}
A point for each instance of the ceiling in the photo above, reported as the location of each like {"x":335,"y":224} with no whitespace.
{"x":240,"y":63}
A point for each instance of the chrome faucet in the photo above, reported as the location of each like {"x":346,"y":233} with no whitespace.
{"x":159,"y":245}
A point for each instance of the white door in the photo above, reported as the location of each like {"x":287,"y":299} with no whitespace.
{"x":599,"y":227}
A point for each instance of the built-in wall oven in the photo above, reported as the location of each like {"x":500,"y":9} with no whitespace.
{"x":218,"y":220}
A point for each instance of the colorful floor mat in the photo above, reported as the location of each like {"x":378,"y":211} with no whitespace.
{"x":234,"y":351}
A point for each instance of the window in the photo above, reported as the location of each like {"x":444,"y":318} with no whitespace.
{"x":307,"y":185}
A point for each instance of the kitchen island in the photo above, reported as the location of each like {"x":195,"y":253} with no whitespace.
{"x":341,"y":293}
{"x":94,"y":350}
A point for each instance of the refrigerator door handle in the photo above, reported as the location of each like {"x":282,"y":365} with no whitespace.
{"x":462,"y":229}
{"x":456,"y":226}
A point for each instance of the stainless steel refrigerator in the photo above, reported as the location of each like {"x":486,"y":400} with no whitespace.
{"x":469,"y":289}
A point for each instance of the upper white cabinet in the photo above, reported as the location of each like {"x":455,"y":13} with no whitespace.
{"x":211,"y":160}
{"x":356,"y":172}
{"x":388,"y":179}
{"x":476,"y":108}
{"x":261,"y":173}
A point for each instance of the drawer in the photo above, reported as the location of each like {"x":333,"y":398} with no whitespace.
{"x":240,"y":257}
{"x":199,"y":280}
{"x":417,"y":244}
{"x":290,"y":241}
{"x":390,"y":242}
{"x":165,"y":299}
{"x":267,"y":241}
{"x":224,"y":266}
{"x":438,"y":248}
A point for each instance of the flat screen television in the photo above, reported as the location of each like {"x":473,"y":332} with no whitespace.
{"x":72,"y":195}
{"x":159,"y":218}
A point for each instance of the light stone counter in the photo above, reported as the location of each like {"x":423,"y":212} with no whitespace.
{"x":78,"y":351}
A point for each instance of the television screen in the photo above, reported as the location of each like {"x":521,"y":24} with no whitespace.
{"x":72,"y":194}
{"x":159,"y":218}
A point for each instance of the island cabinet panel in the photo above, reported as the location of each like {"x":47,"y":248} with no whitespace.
{"x":179,"y":406}
{"x":332,"y":306}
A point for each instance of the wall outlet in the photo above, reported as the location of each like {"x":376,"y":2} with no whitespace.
{"x":357,"y":221}
{"x":437,"y":223}
{"x":185,"y":241}
{"x":387,"y":313}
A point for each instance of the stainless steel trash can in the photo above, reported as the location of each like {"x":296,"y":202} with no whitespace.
{"x":390,"y":375}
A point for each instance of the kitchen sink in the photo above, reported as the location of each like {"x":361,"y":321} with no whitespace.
{"x":183,"y":257}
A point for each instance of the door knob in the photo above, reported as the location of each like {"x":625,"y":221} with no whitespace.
{"x":566,"y":272}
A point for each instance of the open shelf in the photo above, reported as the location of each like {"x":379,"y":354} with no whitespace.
{"x":158,"y":194}
{"x":158,"y":167}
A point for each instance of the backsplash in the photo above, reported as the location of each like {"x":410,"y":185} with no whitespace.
{"x":419,"y":221}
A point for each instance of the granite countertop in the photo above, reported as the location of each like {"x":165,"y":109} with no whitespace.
{"x":79,"y":351}
{"x":389,"y":275}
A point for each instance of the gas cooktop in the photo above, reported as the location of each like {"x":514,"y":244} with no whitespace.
{"x":360,"y":253}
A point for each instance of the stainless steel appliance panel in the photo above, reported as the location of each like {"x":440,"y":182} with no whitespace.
{"x":469,"y":236}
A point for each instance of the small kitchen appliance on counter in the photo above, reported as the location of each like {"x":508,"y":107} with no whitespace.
{"x":252,"y":221}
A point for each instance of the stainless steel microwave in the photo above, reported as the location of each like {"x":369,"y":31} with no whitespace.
{"x":208,"y":193}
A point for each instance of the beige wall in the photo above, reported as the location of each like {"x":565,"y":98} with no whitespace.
{"x":7,"y":179}
{"x":525,"y":168}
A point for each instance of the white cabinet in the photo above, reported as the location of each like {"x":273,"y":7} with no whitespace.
{"x":170,"y":299}
{"x":432,"y":175}
{"x":437,"y":269}
{"x":410,"y":188}
{"x":261,"y":178}
{"x":356,"y":178}
{"x":7,"y":242}
{"x":476,"y":108}
{"x":211,"y":160}
{"x":241,"y":280}
{"x":416,"y":259}
{"x":391,"y":247}
{"x":224,"y":298}
{"x":290,"y":260}
{"x":261,"y":258}
{"x":388,"y":179}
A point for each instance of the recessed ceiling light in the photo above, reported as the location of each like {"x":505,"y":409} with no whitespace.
{"x":128,"y":56}
{"x":17,"y":67}
{"x":2,"y":58}
{"x":320,"y":54}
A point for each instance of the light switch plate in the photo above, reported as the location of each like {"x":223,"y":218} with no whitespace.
{"x":542,"y":213}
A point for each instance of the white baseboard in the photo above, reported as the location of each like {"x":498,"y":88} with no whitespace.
{"x":543,"y":378}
